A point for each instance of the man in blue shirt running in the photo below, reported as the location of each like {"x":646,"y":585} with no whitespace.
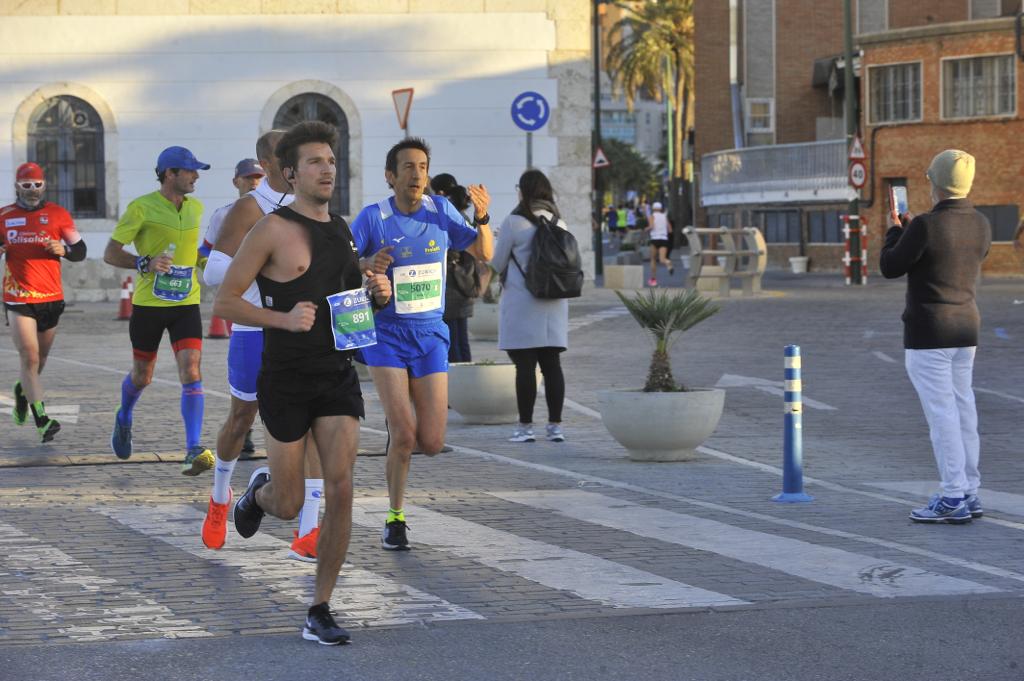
{"x":408,"y":236}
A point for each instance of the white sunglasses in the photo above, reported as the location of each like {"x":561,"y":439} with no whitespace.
{"x":31,"y":184}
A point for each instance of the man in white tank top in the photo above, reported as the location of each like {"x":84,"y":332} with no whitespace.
{"x":660,"y":228}
{"x":244,"y":359}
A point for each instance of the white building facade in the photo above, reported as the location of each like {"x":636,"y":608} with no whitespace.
{"x":93,"y":90}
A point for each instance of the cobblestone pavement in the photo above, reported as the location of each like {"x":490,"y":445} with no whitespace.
{"x":99,"y":550}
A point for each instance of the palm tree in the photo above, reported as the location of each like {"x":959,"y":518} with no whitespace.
{"x":664,"y":315}
{"x":651,"y":52}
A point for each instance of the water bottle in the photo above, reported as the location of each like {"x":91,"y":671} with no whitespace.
{"x":169,"y":251}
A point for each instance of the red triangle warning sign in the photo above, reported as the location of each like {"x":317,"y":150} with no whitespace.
{"x":857,"y":150}
{"x":600,"y":160}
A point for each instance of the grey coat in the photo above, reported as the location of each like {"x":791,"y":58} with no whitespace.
{"x":525,"y":321}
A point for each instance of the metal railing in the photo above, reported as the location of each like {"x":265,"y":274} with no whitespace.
{"x":775,"y":172}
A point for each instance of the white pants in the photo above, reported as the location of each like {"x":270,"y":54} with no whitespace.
{"x":942,"y":379}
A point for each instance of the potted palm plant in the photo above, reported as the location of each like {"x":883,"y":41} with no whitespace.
{"x":666,"y":420}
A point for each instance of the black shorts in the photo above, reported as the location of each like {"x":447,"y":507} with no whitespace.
{"x":662,"y":243}
{"x":46,"y":314}
{"x":147,"y":326}
{"x":290,"y":401}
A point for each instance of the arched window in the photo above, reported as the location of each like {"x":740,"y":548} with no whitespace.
{"x":65,"y":137}
{"x":311,"y":106}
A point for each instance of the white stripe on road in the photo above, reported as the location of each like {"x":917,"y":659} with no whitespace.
{"x":121,"y":372}
{"x":361,"y":596}
{"x":998,"y":394}
{"x":587,"y":576}
{"x":884,"y":357}
{"x":823,"y":564}
{"x":991,"y":500}
{"x":76,"y":601}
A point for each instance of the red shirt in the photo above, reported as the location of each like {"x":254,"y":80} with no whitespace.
{"x":33,"y":275}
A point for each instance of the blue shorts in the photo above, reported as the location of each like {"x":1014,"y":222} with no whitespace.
{"x":245,"y":355}
{"x":421,"y":348}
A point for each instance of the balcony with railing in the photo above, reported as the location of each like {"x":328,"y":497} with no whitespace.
{"x":780,"y":173}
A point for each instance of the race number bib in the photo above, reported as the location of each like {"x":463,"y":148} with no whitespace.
{"x":352,"y":320}
{"x":418,"y":288}
{"x":173,"y":286}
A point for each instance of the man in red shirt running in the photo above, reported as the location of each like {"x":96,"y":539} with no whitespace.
{"x":35,"y":235}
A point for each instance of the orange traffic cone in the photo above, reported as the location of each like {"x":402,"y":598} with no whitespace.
{"x":124,"y":310}
{"x":218,"y":328}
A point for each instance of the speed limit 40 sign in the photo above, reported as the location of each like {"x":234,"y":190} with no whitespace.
{"x":858,"y":174}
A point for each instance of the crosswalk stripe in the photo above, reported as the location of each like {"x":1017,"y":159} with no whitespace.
{"x":587,"y":576}
{"x":59,"y":590}
{"x":360,"y":596}
{"x":823,"y":564}
{"x":991,"y":500}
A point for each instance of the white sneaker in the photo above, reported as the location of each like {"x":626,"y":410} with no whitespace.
{"x":554,"y":432}
{"x":522,"y":433}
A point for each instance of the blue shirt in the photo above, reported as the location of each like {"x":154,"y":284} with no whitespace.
{"x":421,"y":241}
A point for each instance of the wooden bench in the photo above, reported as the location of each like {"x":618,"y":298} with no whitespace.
{"x":741,"y":254}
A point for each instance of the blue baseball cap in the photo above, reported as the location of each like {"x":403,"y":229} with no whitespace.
{"x":179,"y":157}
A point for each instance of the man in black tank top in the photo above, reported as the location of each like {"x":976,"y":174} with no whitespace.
{"x":299,"y":256}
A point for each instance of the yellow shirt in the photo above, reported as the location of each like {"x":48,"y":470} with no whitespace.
{"x":152,"y":224}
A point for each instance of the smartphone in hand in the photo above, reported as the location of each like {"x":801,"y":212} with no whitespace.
{"x":898,"y":196}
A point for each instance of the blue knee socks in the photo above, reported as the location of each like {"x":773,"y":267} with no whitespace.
{"x":192,"y":402}
{"x":129,"y":396}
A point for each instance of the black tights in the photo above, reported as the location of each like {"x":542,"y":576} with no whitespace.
{"x":526,"y":362}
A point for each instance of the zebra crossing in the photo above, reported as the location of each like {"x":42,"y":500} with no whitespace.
{"x":467,"y":564}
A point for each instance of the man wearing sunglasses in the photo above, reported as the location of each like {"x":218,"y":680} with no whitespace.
{"x":163,"y":226}
{"x":36,"y":235}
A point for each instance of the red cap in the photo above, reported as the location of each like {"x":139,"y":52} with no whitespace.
{"x":30,"y":171}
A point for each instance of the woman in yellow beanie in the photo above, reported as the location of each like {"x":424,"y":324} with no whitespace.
{"x":941,"y":252}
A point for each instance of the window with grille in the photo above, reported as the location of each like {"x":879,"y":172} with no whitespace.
{"x":979,"y":86}
{"x":65,"y":137}
{"x":895,"y":92}
{"x":779,"y":226}
{"x":312,"y":106}
{"x":1003,"y":219}
{"x":760,"y":115}
{"x":824,"y":227}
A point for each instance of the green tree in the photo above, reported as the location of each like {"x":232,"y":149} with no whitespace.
{"x":628,"y":170}
{"x":651,"y":52}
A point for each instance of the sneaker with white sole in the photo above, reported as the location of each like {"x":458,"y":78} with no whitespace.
{"x":974,"y":505}
{"x":554,"y":432}
{"x":321,"y":627}
{"x":522,"y":433}
{"x":938,"y":511}
{"x":393,"y":537}
{"x":972,"y":501}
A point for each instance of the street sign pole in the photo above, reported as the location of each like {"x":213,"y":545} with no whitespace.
{"x":529,"y":149}
{"x":849,"y":99}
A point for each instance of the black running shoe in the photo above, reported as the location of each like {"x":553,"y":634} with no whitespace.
{"x":248,"y":515}
{"x":393,"y":537}
{"x":248,"y":448}
{"x":20,"y":411}
{"x":321,"y":627}
{"x":48,"y":430}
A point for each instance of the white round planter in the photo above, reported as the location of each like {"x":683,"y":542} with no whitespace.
{"x":483,"y":393}
{"x":483,"y":325}
{"x":798,"y":264}
{"x":661,"y":426}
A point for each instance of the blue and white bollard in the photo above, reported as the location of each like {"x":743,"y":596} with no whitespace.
{"x":792,"y":441}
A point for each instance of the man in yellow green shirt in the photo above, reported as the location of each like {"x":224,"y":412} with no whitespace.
{"x":164,"y":229}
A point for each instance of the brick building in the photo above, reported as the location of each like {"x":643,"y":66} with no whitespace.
{"x":770,"y":128}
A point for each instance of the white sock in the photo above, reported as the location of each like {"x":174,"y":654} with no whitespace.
{"x":222,"y":471}
{"x":309,"y":516}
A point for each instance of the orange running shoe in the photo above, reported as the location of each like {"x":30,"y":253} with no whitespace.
{"x":304,"y":547}
{"x":215,"y":525}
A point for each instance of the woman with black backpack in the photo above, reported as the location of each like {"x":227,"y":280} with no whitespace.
{"x":532,"y":330}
